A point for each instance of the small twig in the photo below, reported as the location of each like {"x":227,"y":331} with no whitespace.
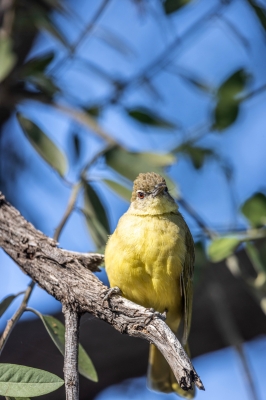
{"x":72,"y":319}
{"x":69,"y":209}
{"x":14,"y":319}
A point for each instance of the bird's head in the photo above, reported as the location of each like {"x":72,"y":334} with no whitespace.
{"x":150,"y":196}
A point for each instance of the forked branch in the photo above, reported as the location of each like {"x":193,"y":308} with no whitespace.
{"x":68,"y":277}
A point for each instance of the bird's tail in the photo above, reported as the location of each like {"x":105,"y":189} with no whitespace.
{"x":161,"y":377}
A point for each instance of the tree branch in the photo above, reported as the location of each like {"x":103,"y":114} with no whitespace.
{"x":12,"y":322}
{"x":72,"y":319}
{"x":65,"y":275}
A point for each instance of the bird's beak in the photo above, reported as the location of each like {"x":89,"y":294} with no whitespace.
{"x":158,"y":189}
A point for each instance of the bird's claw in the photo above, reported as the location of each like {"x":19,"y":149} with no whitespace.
{"x":158,"y":314}
{"x":111,"y":292}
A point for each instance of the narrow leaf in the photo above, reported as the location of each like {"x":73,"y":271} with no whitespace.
{"x":19,"y":380}
{"x":17,"y":398}
{"x":6,"y":303}
{"x":121,"y":190}
{"x":171,"y":6}
{"x":260,"y":12}
{"x":147,"y":117}
{"x":43,"y":145}
{"x":56,"y":330}
{"x":222,"y":248}
{"x":7,"y":57}
{"x":96,"y":217}
{"x":37,"y":65}
{"x":227,"y":107}
{"x":254,"y":210}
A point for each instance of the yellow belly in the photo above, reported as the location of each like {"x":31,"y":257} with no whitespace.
{"x":144,"y":258}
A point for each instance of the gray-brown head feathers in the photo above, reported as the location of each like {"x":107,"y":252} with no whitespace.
{"x":147,"y":183}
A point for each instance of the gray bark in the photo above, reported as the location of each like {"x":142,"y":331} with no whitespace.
{"x":71,"y":374}
{"x":68,"y":277}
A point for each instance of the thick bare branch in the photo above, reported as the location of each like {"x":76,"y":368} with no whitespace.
{"x":65,"y":275}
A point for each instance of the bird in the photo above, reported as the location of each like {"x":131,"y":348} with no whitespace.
{"x":150,"y":258}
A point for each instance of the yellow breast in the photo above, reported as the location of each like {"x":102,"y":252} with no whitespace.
{"x":144,"y":258}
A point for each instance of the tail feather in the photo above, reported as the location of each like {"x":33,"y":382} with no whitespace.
{"x":161,"y":377}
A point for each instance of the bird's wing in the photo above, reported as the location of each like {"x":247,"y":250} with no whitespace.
{"x":187,"y":283}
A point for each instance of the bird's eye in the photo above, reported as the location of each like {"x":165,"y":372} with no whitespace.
{"x":166,"y":189}
{"x":141,"y":195}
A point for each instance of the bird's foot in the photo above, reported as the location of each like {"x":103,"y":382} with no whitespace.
{"x":111,"y":292}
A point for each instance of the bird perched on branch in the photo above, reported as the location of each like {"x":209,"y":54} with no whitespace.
{"x":150,"y":258}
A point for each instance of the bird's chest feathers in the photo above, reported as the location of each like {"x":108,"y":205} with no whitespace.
{"x":145,"y":257}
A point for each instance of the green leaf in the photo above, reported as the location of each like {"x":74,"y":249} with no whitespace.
{"x":260,"y":12}
{"x":198,"y":155}
{"x":7,"y":57}
{"x":255,"y":257}
{"x":147,"y":117}
{"x":19,"y":380}
{"x":43,"y":145}
{"x":130,"y":164}
{"x":227,"y":108}
{"x":171,"y":6}
{"x":56,"y":330}
{"x":17,"y":398}
{"x":225,"y":114}
{"x":43,"y":83}
{"x":76,"y":145}
{"x":222,"y":248}
{"x":121,"y":190}
{"x":37,"y":65}
{"x":93,"y":111}
{"x":6,"y":303}
{"x":96,"y":217}
{"x":254,"y":210}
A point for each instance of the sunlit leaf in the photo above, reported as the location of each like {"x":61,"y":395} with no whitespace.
{"x":96,"y":217}
{"x":5,"y":303}
{"x":130,"y":164}
{"x":147,"y":117}
{"x":197,"y":154}
{"x":228,"y":100}
{"x":171,"y":6}
{"x":43,"y":145}
{"x":222,"y":248}
{"x":22,"y":381}
{"x":56,"y":330}
{"x":254,"y":209}
{"x":7,"y":57}
{"x":121,"y":190}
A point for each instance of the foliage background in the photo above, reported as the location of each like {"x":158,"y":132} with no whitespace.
{"x":93,"y":93}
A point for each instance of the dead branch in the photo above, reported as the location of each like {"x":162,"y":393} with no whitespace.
{"x":68,"y":277}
